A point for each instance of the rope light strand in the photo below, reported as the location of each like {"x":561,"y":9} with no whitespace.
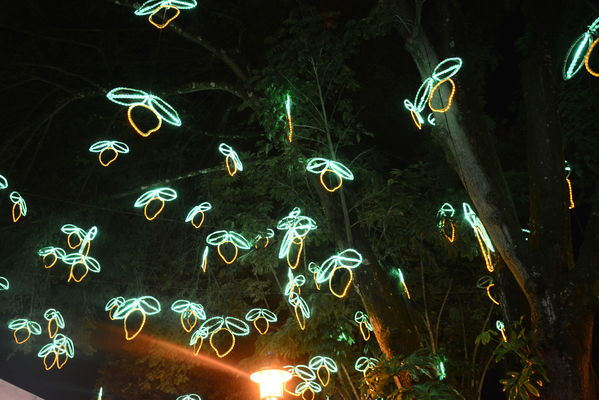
{"x":189,"y":312}
{"x":346,"y":260}
{"x":363,"y":322}
{"x":364,"y":364}
{"x":288,"y":104}
{"x":161,"y":195}
{"x":23,"y":324}
{"x":144,"y":305}
{"x":113,"y":146}
{"x":113,"y":305}
{"x":55,"y":321}
{"x":568,"y":169}
{"x":322,"y":363}
{"x":56,"y":253}
{"x":231,"y":157}
{"x":580,"y":51}
{"x":3,"y":182}
{"x":486,"y":283}
{"x":4,"y":283}
{"x":256,"y":314}
{"x":444,"y":218}
{"x":209,"y":328}
{"x":501,"y":328}
{"x":296,"y":227}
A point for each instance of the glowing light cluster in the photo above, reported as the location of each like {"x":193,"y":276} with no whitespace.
{"x":445,"y":218}
{"x":84,"y":238}
{"x":219,"y":238}
{"x":138,"y":98}
{"x":314,"y":268}
{"x":191,"y":396}
{"x":308,"y":387}
{"x":486,"y":282}
{"x":266,"y":236}
{"x":55,"y":252}
{"x":256,"y":314}
{"x":323,"y":363}
{"x":24,"y":325}
{"x":297,"y":228}
{"x":113,"y":146}
{"x":364,"y":364}
{"x":61,"y":347}
{"x":144,"y":305}
{"x":55,"y":321}
{"x":363,"y":321}
{"x":161,"y":195}
{"x":152,"y":7}
{"x":288,"y":104}
{"x":209,"y":328}
{"x":568,"y":169}
{"x":230,"y":157}
{"x":200,"y":209}
{"x":293,"y":293}
{"x":442,"y":73}
{"x":501,"y":328}
{"x":580,"y":51}
{"x":322,"y":166}
{"x":484,"y":241}
{"x":190,"y":313}
{"x":346,"y":260}
{"x":19,"y":207}
{"x":4,"y":283}
{"x":3,"y":182}
{"x":89,"y":264}
{"x":113,"y":304}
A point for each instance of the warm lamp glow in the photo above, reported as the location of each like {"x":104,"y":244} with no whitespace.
{"x":271,"y":382}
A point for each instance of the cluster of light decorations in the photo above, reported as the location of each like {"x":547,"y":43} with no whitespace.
{"x":363,"y":322}
{"x":232,"y":161}
{"x":346,"y":260}
{"x":296,"y":229}
{"x":57,"y":353}
{"x":199,"y":210}
{"x":484,"y":241}
{"x":55,"y":321}
{"x":442,"y":73}
{"x":568,"y":169}
{"x":266,"y":236}
{"x":4,"y":283}
{"x":445,"y":221}
{"x":364,"y":364}
{"x":323,"y":166}
{"x":220,"y":238}
{"x":212,"y":326}
{"x":293,"y":293}
{"x":121,"y":309}
{"x":319,"y":368}
{"x":19,"y":207}
{"x":151,"y":8}
{"x":23,"y":326}
{"x":134,"y":98}
{"x":486,"y":283}
{"x":160,"y":195}
{"x":112,"y":147}
{"x":190,"y":313}
{"x":580,"y":51}
{"x":261,"y":314}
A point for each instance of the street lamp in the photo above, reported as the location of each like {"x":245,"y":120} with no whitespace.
{"x":271,"y":382}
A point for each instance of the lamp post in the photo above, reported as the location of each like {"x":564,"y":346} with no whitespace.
{"x":271,"y":382}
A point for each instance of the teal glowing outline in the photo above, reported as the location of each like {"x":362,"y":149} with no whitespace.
{"x":186,"y":306}
{"x":268,"y":235}
{"x":200,"y":208}
{"x":162,"y":193}
{"x":477,"y":226}
{"x":4,"y":283}
{"x":191,"y":396}
{"x":3,"y":182}
{"x":114,"y":302}
{"x":118,"y":147}
{"x":150,"y":6}
{"x":361,"y":317}
{"x":61,"y":344}
{"x":318,"y":165}
{"x":132,"y":97}
{"x":16,"y":198}
{"x":53,"y":314}
{"x":22,"y":323}
{"x":55,"y":251}
{"x":294,"y":282}
{"x":363,"y":364}
{"x":302,"y":371}
{"x":90,"y":263}
{"x":577,"y":52}
{"x":305,"y":385}
{"x":441,"y":370}
{"x":219,"y":237}
{"x":265,"y":313}
{"x":100,"y":394}
{"x":318,"y":362}
{"x":236,"y":326}
{"x":228,"y":151}
{"x":499,"y":325}
{"x":205,"y":259}
{"x":297,"y":226}
{"x":147,"y":305}
{"x":348,"y":258}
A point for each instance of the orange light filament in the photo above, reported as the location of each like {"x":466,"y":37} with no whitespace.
{"x":586,"y":59}
{"x":216,"y":349}
{"x":111,"y":160}
{"x":298,"y":241}
{"x":128,"y":335}
{"x":134,"y":125}
{"x":327,"y":187}
{"x":157,"y":212}
{"x":164,"y":7}
{"x":345,"y":286}
{"x":570,"y":194}
{"x":222,"y":256}
{"x":449,"y":99}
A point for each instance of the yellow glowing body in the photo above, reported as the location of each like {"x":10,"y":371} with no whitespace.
{"x":586,"y":58}
{"x":128,"y":335}
{"x":216,"y":350}
{"x":570,"y":194}
{"x":134,"y":125}
{"x":298,"y":241}
{"x":347,"y":284}
{"x":222,"y":256}
{"x":449,"y":100}
{"x":168,"y":21}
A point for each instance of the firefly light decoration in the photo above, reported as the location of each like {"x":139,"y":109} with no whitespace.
{"x":307,"y":375}
{"x":486,"y":283}
{"x":579,"y":52}
{"x":320,"y":364}
{"x":190,"y":313}
{"x":22,"y":325}
{"x":109,"y":146}
{"x":198,"y":210}
{"x":113,"y":305}
{"x":484,"y":241}
{"x":75,"y":260}
{"x":256,"y":314}
{"x":205,"y":259}
{"x":83,"y":238}
{"x":294,"y":284}
{"x":297,"y":228}
{"x":19,"y":207}
{"x":403,"y":282}
{"x":346,"y":260}
{"x":152,"y":7}
{"x":568,"y":170}
{"x":232,"y":161}
{"x":219,"y":238}
{"x":501,"y":328}
{"x":269,"y":234}
{"x":191,"y":396}
{"x":50,"y":255}
{"x":55,"y":321}
{"x":145,"y":305}
{"x":4,"y":283}
{"x":445,"y":221}
{"x":230,"y":325}
{"x":59,"y":351}
{"x":363,"y":321}
{"x":160,"y":195}
{"x":425,"y":95}
{"x":307,"y":389}
{"x":3,"y":182}
{"x":300,"y":308}
{"x":197,"y":339}
{"x":322,"y":166}
{"x":134,"y":98}
{"x":314,"y":268}
{"x":288,"y":104}
{"x":364,"y":364}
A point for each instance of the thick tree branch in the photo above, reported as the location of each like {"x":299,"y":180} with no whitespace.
{"x":199,"y":86}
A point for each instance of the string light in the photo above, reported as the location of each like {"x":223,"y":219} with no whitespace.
{"x":145,"y":305}
{"x":219,"y":238}
{"x":113,"y":305}
{"x":162,"y":195}
{"x":501,"y":328}
{"x":4,"y":283}
{"x":56,"y":253}
{"x":297,"y":228}
{"x":3,"y":182}
{"x":230,"y":157}
{"x":307,"y":387}
{"x":445,"y":214}
{"x":319,"y":363}
{"x":289,"y":121}
{"x":109,"y":145}
{"x":152,"y":7}
{"x":18,"y":203}
{"x":255,"y":314}
{"x":345,"y":260}
{"x":484,"y":241}
{"x":191,"y":396}
{"x":363,"y":321}
{"x":234,"y":326}
{"x":205,"y":259}
{"x":31,"y":327}
{"x":322,"y":166}
{"x":300,"y":308}
{"x":363,"y":364}
{"x":579,"y":52}
{"x":74,"y":259}
{"x":200,"y":209}
{"x":314,"y":268}
{"x":190,"y":313}
{"x":486,"y":282}
{"x":568,"y":169}
{"x":61,"y":345}
{"x":266,"y":236}
{"x":55,"y":321}
{"x":138,"y":98}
